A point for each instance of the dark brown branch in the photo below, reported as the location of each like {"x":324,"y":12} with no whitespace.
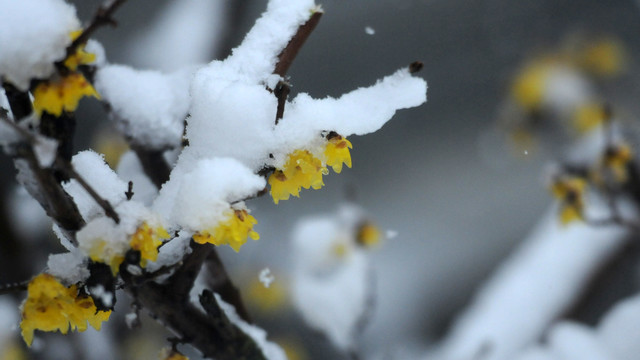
{"x":19,"y":102}
{"x":182,"y":280}
{"x":212,"y":333}
{"x":289,"y":53}
{"x":68,"y":169}
{"x":102,"y":17}
{"x":281,"y":92}
{"x":219,"y":281}
{"x":415,"y":66}
{"x":13,"y":288}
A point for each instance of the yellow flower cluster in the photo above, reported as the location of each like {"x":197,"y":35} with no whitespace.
{"x":570,"y":191}
{"x":51,"y":306}
{"x":63,"y":93}
{"x":146,"y":240}
{"x":304,"y":170}
{"x":233,"y":231}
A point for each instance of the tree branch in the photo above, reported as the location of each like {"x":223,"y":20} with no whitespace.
{"x":289,"y":53}
{"x":219,"y":281}
{"x":102,"y":17}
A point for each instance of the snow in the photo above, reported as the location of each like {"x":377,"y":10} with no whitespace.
{"x":45,"y":150}
{"x":391,"y":234}
{"x":266,"y":277}
{"x":95,"y":171}
{"x":68,"y":267}
{"x":369,"y":30}
{"x":198,"y":199}
{"x":330,"y":276}
{"x":130,"y":169}
{"x":185,"y":33}
{"x":33,"y":35}
{"x":270,"y":350}
{"x":171,"y":252}
{"x":532,"y":288}
{"x":149,"y":107}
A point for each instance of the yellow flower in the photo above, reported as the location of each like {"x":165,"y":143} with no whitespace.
{"x":529,"y":85}
{"x":605,"y":57}
{"x":615,"y":159}
{"x":233,"y":231}
{"x":80,"y":57}
{"x":588,"y":117}
{"x":146,"y":240}
{"x":570,"y":191}
{"x":368,"y":235}
{"x":302,"y":170}
{"x":337,"y":153}
{"x":54,"y":96}
{"x":51,"y":306}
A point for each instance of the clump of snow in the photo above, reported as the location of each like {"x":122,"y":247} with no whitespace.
{"x":95,"y":47}
{"x":162,"y":44}
{"x":532,"y":288}
{"x":198,"y":198}
{"x":150,"y":107}
{"x":266,"y":277}
{"x":69,"y":267}
{"x":33,"y":35}
{"x":391,"y":234}
{"x":95,"y":171}
{"x":330,"y":285}
{"x":369,"y":30}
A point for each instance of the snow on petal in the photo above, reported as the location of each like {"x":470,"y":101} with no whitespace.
{"x":33,"y":35}
{"x":150,"y":107}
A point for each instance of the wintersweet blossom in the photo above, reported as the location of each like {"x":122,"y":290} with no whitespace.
{"x":337,"y":153}
{"x":146,"y":240}
{"x":616,"y":160}
{"x":588,"y":117}
{"x":80,"y":56}
{"x":368,"y":235}
{"x":233,"y":231}
{"x":62,"y":94}
{"x":570,"y":190}
{"x":302,"y":170}
{"x":51,"y":306}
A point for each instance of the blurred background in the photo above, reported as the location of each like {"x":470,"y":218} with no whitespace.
{"x":443,"y":176}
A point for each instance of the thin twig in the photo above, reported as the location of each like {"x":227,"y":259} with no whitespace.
{"x":104,"y":204}
{"x":289,"y":53}
{"x":281,"y":92}
{"x":102,"y":17}
{"x":14,"y":288}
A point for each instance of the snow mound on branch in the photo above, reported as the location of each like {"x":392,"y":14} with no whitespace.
{"x":33,"y":35}
{"x":150,"y":107}
{"x":197,"y":196}
{"x":95,"y":171}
